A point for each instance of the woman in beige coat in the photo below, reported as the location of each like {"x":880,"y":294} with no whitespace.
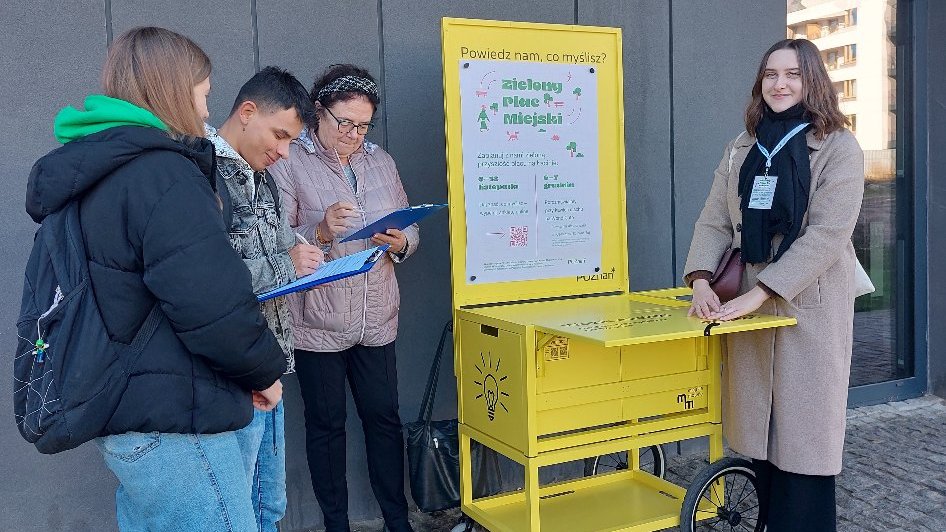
{"x":791,"y":207}
{"x":334,"y":182}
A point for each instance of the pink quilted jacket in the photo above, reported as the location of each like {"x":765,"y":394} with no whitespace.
{"x":361,"y":309}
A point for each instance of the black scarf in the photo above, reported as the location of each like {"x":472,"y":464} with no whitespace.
{"x":792,"y":167}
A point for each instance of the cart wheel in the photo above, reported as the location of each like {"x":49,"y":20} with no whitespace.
{"x":652,"y":461}
{"x":729,"y":505}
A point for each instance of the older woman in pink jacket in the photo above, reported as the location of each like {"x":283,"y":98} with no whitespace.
{"x":334,"y":182}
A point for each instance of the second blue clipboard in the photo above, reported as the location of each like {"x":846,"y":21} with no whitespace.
{"x":398,"y":219}
{"x":340,"y":268}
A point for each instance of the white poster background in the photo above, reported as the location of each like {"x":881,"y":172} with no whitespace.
{"x":530,"y":170}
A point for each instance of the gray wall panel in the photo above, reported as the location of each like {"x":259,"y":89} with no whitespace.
{"x":646,"y":28}
{"x":414,"y":86}
{"x":224,"y":29}
{"x":716,"y":50}
{"x":936,"y":176}
{"x":52,"y":56}
{"x":306,"y":37}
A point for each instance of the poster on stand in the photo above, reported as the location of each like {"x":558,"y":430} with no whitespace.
{"x":530,"y":170}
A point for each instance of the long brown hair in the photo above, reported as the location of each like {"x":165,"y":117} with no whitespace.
{"x":818,"y":96}
{"x":157,"y":69}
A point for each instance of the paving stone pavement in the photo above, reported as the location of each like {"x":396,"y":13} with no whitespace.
{"x":894,"y":476}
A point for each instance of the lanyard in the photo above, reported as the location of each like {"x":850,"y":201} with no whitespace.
{"x":781,"y":144}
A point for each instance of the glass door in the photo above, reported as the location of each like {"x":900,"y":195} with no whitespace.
{"x":865,"y":47}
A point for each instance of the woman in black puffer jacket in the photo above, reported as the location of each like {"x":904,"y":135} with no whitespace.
{"x":154,"y":233}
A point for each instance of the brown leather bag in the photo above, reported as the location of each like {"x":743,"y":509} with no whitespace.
{"x":727,"y":279}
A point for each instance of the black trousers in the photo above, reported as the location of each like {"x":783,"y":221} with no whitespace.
{"x":371,"y":373}
{"x":791,"y":502}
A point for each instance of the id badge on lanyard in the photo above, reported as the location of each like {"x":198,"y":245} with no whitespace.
{"x":763,"y":187}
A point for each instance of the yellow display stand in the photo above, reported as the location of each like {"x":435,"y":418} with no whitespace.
{"x":556,"y":369}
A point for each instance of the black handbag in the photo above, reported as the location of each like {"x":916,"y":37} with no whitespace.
{"x":433,"y":452}
{"x":433,"y":449}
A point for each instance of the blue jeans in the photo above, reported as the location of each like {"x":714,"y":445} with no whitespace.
{"x":263,"y":445}
{"x":172,"y":482}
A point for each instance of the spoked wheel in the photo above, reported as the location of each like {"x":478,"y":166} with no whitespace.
{"x":723,"y":497}
{"x":652,"y":461}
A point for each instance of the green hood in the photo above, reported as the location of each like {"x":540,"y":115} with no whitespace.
{"x":101,"y":113}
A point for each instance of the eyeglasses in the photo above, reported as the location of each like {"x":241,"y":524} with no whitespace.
{"x":345,"y":126}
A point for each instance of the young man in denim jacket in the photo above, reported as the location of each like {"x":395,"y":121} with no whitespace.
{"x":268,"y":113}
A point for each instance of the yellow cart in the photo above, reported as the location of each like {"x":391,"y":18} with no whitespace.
{"x":549,"y":382}
{"x":555,"y":359}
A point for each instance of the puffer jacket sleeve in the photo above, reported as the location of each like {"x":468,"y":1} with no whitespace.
{"x":203,"y":286}
{"x":281,"y":171}
{"x":411,"y":232}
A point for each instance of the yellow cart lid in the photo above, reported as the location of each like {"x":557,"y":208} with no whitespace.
{"x":623,"y":319}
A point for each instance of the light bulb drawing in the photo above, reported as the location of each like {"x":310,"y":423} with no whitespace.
{"x":490,"y":385}
{"x":491,"y":390}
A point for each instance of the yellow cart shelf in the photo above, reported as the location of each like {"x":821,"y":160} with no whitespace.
{"x":592,"y":501}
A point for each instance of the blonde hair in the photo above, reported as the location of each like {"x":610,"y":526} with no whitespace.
{"x":819,"y":98}
{"x":157,"y":69}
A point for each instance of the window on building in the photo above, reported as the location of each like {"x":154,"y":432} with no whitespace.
{"x":846,"y":89}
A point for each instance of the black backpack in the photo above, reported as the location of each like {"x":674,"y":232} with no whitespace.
{"x":69,"y":375}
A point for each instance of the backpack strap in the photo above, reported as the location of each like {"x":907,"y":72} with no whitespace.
{"x":225,"y":200}
{"x":147,"y":329}
{"x":274,"y":190}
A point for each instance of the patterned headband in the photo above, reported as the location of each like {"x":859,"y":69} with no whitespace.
{"x":350,"y":84}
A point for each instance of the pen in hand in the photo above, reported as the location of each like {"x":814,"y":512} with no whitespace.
{"x":305,"y":257}
{"x":301,"y":239}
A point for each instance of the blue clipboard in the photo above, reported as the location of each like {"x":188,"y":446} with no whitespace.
{"x":398,"y":219}
{"x":340,"y":268}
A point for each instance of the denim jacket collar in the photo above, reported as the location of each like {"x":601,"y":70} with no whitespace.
{"x":228,"y":160}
